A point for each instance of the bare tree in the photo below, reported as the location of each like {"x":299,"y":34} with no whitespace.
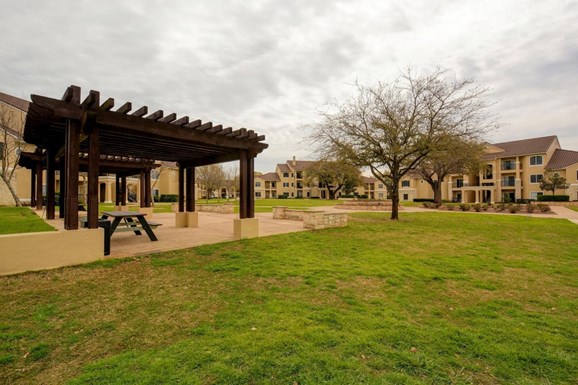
{"x":391,"y":128}
{"x":231,"y":182}
{"x":11,"y":131}
{"x":210,"y":178}
{"x":452,"y":156}
{"x":332,"y":175}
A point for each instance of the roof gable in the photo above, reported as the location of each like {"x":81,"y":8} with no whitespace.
{"x":522,"y":147}
{"x":562,"y":159}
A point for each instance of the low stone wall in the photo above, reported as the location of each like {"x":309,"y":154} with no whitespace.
{"x":365,"y":205}
{"x":318,"y":220}
{"x":225,"y":208}
{"x":282,"y":212}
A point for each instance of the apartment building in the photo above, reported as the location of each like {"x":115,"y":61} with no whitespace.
{"x":511,"y":171}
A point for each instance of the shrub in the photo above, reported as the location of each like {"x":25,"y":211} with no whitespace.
{"x":314,"y":198}
{"x":530,"y":208}
{"x":430,"y":205}
{"x":513,"y":209}
{"x":465,"y":206}
{"x":282,"y":196}
{"x":364,"y":196}
{"x":423,"y":200}
{"x":524,"y":201}
{"x":450,"y":207}
{"x":501,"y":207}
{"x":477,"y":207}
{"x":544,"y":208}
{"x":485,"y":207}
{"x":553,"y":198}
{"x":169,"y":198}
{"x":347,"y":196}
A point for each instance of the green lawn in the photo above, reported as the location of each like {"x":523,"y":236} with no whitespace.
{"x":431,"y":299}
{"x":575,"y":208}
{"x":21,"y":220}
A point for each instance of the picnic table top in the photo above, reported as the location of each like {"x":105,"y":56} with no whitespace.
{"x":123,"y":214}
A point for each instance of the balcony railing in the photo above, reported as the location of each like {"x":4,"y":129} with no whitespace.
{"x":467,"y":184}
{"x":508,"y":183}
{"x":508,"y":166}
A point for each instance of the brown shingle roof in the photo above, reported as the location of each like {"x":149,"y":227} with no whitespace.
{"x":300,"y":165}
{"x":522,"y":147}
{"x":368,"y":179}
{"x":271,"y":177}
{"x":562,"y":159}
{"x":283,"y":167}
{"x":21,"y":104}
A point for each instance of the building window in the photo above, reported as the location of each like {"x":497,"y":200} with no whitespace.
{"x":405,"y":183}
{"x":291,"y":175}
{"x":536,"y":178}
{"x":299,"y":175}
{"x":308,"y":194}
{"x":273,"y":185}
{"x":285,"y":175}
{"x":536,"y":160}
{"x":292,"y":184}
{"x":257,"y":184}
{"x":285,"y":184}
{"x":155,"y":174}
{"x":535,"y":194}
{"x":258,"y":194}
{"x":405,"y":197}
{"x":380,"y":195}
{"x":380,"y":186}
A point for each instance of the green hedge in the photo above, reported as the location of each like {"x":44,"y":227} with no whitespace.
{"x":423,"y":200}
{"x":553,"y":198}
{"x":169,"y":198}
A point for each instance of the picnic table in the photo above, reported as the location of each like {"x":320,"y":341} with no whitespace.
{"x":123,"y":221}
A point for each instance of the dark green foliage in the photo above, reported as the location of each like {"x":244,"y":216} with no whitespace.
{"x":553,"y":198}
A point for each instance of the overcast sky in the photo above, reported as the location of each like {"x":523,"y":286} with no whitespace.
{"x":271,"y":65}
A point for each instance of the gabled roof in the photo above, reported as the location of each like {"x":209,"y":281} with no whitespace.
{"x":283,"y":167}
{"x":368,"y":179}
{"x":562,"y":159}
{"x":301,"y":165}
{"x":522,"y":147}
{"x":271,"y":177}
{"x":15,"y":102}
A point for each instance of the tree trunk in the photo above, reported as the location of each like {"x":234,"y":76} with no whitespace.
{"x":437,"y":190}
{"x":395,"y":201}
{"x":13,"y":192}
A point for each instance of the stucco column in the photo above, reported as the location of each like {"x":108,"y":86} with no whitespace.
{"x":450,"y":189}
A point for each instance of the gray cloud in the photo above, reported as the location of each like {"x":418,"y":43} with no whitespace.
{"x":269,"y":66}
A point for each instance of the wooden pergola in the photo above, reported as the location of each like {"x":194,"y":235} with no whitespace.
{"x":64,"y":129}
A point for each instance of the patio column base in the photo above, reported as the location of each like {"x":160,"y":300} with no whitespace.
{"x":146,"y":210}
{"x":246,"y":228}
{"x":187,"y":219}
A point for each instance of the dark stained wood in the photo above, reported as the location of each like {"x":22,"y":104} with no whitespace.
{"x":107,"y":105}
{"x":251,"y":186}
{"x":92,"y":100}
{"x":71,"y":164}
{"x":181,"y":121}
{"x":215,"y":129}
{"x":190,"y":185}
{"x":117,"y":192}
{"x":155,"y":115}
{"x":62,"y":189}
{"x":244,"y":134}
{"x":237,"y":132}
{"x":193,"y":124}
{"x":93,"y":159}
{"x":225,"y":131}
{"x":181,"y":197}
{"x":125,"y":108}
{"x":141,"y":112}
{"x":243,"y":181}
{"x":169,"y":118}
{"x":39,"y":186}
{"x":260,"y":138}
{"x":148,"y":192}
{"x":72,"y":95}
{"x":204,"y":127}
{"x":33,"y":186}
{"x":123,"y":190}
{"x":50,"y":183}
{"x":142,"y":194}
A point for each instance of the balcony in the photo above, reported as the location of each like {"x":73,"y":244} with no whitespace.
{"x":508,"y":183}
{"x":508,"y":166}
{"x":467,"y":184}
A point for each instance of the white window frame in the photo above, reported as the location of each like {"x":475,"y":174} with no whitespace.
{"x":537,"y":179}
{"x":534,"y":194}
{"x":536,"y":157}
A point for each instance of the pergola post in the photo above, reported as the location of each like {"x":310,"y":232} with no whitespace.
{"x":71,"y":165}
{"x":247,"y":226}
{"x":117,"y":188}
{"x":50,"y":182}
{"x":93,"y":157}
{"x":123,"y":190}
{"x":148,"y":193}
{"x":32,"y":187}
{"x":190,"y":183}
{"x":39,"y":185}
{"x":62,"y":189}
{"x":142,"y":189}
{"x":181,"y":196}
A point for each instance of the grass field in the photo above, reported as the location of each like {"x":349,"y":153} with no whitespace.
{"x":575,"y":208}
{"x":432,"y":299}
{"x":21,"y":220}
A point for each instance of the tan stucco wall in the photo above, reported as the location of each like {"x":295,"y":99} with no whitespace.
{"x":49,"y":250}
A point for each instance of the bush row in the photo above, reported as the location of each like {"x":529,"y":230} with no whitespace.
{"x":501,"y":207}
{"x":553,"y":198}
